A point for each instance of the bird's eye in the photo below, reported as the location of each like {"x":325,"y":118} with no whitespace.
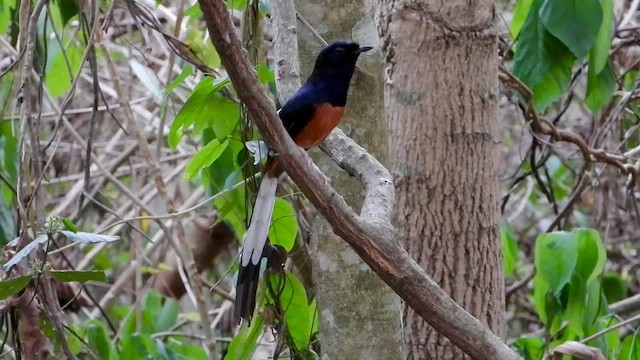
{"x":340,"y":50}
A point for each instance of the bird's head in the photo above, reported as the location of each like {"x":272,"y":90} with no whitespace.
{"x":340,"y":54}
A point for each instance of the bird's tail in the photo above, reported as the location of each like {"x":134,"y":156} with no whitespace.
{"x":252,"y":248}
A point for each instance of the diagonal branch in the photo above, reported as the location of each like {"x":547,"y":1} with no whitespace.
{"x":371,"y":235}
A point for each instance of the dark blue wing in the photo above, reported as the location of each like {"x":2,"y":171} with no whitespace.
{"x":297,"y":112}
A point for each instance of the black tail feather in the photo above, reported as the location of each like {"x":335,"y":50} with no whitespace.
{"x":248,"y":276}
{"x":246,"y":290}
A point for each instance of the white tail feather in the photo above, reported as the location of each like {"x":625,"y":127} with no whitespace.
{"x":256,"y":235}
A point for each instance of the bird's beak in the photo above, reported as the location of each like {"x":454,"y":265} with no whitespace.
{"x":364,"y":49}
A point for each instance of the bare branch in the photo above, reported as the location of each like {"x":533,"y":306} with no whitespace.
{"x":376,"y":242}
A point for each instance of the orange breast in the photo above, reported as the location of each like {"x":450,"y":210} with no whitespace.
{"x":325,"y":119}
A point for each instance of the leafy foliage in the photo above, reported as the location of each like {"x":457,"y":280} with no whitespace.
{"x":548,"y":44}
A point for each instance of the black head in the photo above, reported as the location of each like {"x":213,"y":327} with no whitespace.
{"x":340,"y":54}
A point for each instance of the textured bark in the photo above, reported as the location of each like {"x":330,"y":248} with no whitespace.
{"x":441,"y":111}
{"x":360,"y":317}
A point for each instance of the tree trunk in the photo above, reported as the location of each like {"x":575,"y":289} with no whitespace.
{"x":441,"y":110}
{"x":360,"y":316}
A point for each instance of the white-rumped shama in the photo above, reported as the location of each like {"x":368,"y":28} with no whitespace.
{"x":309,"y":116}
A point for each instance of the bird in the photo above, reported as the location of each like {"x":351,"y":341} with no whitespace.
{"x":308,"y":116}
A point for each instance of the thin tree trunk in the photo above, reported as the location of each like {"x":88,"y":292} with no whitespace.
{"x":360,"y":316}
{"x":441,"y":109}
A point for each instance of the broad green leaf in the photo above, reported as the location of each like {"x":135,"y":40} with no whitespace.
{"x":584,"y":294}
{"x":599,"y":54}
{"x":540,"y":292}
{"x":245,"y":342}
{"x":201,"y":107}
{"x":78,"y":276}
{"x":614,"y":287}
{"x":284,"y":225}
{"x":151,"y":305}
{"x":58,"y":79}
{"x":541,"y":61}
{"x":509,"y":249}
{"x":556,"y":255}
{"x":6,"y":10}
{"x":224,"y":120}
{"x":137,"y":347}
{"x":14,"y":285}
{"x":204,"y":157}
{"x":576,"y":306}
{"x":168,"y":315}
{"x":185,"y":350}
{"x":630,"y":349}
{"x":218,"y":173}
{"x":519,"y":16}
{"x":609,"y":343}
{"x":600,"y":87}
{"x":187,"y":70}
{"x":592,"y":255}
{"x":293,"y":299}
{"x":98,"y":339}
{"x":68,"y":9}
{"x":315,"y":316}
{"x":574,"y":22}
{"x":265,"y":73}
{"x":530,"y":348}
{"x":236,"y":4}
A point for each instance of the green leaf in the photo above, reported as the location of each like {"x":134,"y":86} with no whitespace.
{"x":200,"y":107}
{"x":78,"y":276}
{"x":187,"y":70}
{"x":168,"y":315}
{"x":600,"y":87}
{"x":68,"y":224}
{"x":14,"y":285}
{"x":630,"y":349}
{"x":185,"y":350}
{"x":574,"y":22}
{"x":236,"y":4}
{"x":6,"y":10}
{"x":614,"y":287}
{"x":58,"y":79}
{"x":284,"y":225}
{"x":592,"y":255}
{"x":315,"y":316}
{"x":519,"y":16}
{"x":556,"y":255}
{"x":68,"y":9}
{"x":530,"y":348}
{"x":98,"y":339}
{"x":245,"y":342}
{"x":151,"y":303}
{"x":509,"y":249}
{"x":204,"y":157}
{"x":541,"y":61}
{"x":599,"y":54}
{"x":293,"y":300}
{"x":137,"y":347}
{"x":265,"y":73}
{"x":540,"y":291}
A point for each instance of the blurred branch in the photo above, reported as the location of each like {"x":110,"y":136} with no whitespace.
{"x":545,"y":127}
{"x":373,"y":238}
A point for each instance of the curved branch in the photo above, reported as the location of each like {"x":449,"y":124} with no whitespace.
{"x":373,"y":238}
